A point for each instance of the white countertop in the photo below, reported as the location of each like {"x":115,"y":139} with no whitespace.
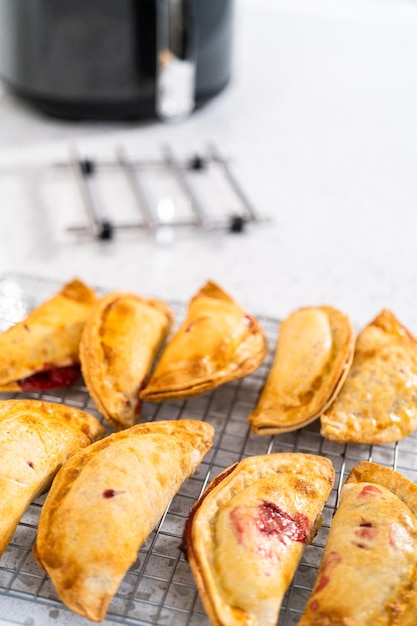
{"x":320,"y":122}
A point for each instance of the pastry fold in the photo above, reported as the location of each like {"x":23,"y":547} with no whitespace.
{"x":106,"y":500}
{"x":377,"y":403}
{"x":119,"y":345}
{"x":218,"y":342}
{"x":312,"y":358}
{"x":245,"y":536}
{"x":368,"y":572}
{"x":36,"y":438}
{"x":42,"y":351}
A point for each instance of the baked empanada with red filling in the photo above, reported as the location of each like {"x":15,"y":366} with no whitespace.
{"x":36,"y":438}
{"x":119,"y":345}
{"x":368,"y":572}
{"x":378,"y":401}
{"x":42,"y":351}
{"x":105,"y":501}
{"x":246,"y":534}
{"x":218,"y":342}
{"x":313,"y":355}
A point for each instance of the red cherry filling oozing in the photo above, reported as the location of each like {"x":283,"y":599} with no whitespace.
{"x":50,"y":377}
{"x":270,"y":521}
{"x":370,"y":491}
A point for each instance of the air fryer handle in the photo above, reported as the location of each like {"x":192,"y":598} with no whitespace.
{"x":176,"y":59}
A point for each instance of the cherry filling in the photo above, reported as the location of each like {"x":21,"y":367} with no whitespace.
{"x":365,"y":533}
{"x":273,"y":520}
{"x":331,"y":560}
{"x":50,"y":378}
{"x":248,"y":321}
{"x":370,"y":491}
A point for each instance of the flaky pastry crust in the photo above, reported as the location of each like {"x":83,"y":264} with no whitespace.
{"x":218,"y":342}
{"x":36,"y":438}
{"x":119,"y":345}
{"x":368,"y":572}
{"x":246,"y":534}
{"x":377,"y":403}
{"x":312,"y":358}
{"x":105,"y":501}
{"x":48,"y":337}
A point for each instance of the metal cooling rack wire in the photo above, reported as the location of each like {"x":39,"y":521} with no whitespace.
{"x":159,"y":589}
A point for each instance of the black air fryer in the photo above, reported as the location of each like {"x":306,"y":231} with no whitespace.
{"x":116,"y":59}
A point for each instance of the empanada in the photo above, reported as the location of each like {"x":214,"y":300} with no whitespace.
{"x":218,"y":342}
{"x":368,"y":573}
{"x":106,"y":500}
{"x":378,"y":401}
{"x":35,"y":439}
{"x":246,"y":534}
{"x":313,"y":355}
{"x":41,"y":351}
{"x":119,"y":344}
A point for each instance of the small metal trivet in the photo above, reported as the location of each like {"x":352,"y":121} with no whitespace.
{"x":153,"y":214}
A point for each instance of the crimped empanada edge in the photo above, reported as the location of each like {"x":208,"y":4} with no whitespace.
{"x":90,"y":345}
{"x":261,"y":421}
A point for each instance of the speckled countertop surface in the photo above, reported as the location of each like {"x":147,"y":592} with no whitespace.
{"x":320,"y":124}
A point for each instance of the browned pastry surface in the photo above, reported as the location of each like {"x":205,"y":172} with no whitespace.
{"x":106,"y":500}
{"x":313,"y":355}
{"x":246,"y":534}
{"x":35,"y":439}
{"x":119,"y":344}
{"x":218,"y":342}
{"x":368,"y":572}
{"x":48,"y":337}
{"x":377,"y":403}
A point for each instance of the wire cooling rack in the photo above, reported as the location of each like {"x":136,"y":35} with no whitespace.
{"x":159,"y":588}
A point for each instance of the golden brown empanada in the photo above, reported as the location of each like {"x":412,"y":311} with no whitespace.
{"x":105,"y":501}
{"x":368,"y":573}
{"x":35,"y":439}
{"x":377,"y":403}
{"x":41,"y":351}
{"x":313,"y":355}
{"x":119,"y":344}
{"x":246,"y":534}
{"x":218,"y":342}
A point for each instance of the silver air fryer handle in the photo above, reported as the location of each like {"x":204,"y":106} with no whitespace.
{"x":176,"y":59}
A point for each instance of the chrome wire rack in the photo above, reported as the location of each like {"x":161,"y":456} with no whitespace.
{"x":159,"y":588}
{"x":169,"y":191}
{"x":104,"y":195}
